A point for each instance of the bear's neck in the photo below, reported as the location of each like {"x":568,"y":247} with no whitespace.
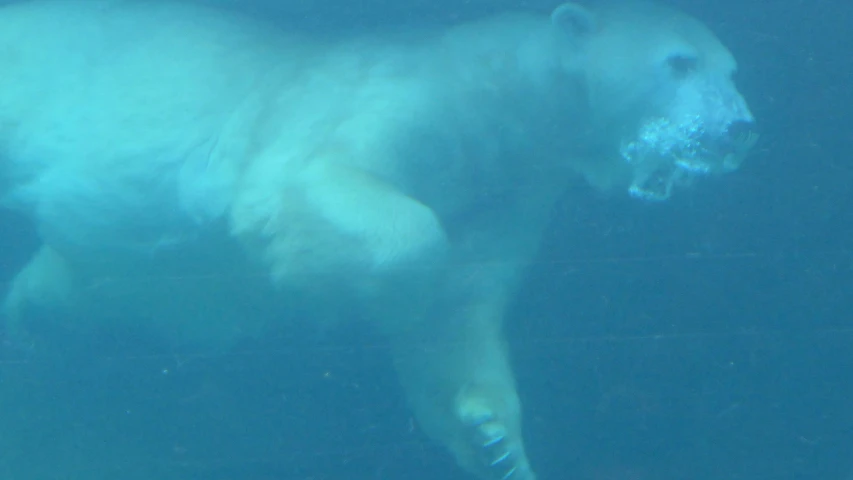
{"x":509,"y":69}
{"x":512,"y":51}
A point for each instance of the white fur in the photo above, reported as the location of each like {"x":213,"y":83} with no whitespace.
{"x":193,"y":170}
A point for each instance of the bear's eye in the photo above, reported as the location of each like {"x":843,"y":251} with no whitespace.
{"x":682,"y":64}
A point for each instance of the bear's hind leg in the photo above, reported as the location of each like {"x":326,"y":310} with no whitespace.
{"x":46,"y":281}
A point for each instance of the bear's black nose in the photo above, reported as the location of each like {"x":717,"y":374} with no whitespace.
{"x":739,"y":134}
{"x":741,"y":128}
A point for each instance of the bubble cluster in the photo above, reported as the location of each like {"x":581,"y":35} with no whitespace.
{"x":666,"y":154}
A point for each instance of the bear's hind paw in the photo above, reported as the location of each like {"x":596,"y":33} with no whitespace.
{"x":12,"y":330}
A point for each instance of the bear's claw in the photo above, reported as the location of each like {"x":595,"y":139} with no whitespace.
{"x":501,"y":459}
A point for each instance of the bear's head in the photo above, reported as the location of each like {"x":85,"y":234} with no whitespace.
{"x":660,"y":92}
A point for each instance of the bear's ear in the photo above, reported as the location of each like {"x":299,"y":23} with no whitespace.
{"x":573,"y":20}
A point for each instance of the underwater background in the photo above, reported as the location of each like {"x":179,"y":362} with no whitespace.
{"x":707,"y":337}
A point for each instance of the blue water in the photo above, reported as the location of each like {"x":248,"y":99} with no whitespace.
{"x":709,"y":337}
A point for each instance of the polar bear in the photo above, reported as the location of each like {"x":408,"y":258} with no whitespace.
{"x":201,"y":174}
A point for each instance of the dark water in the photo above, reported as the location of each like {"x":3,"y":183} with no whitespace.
{"x":707,"y":338}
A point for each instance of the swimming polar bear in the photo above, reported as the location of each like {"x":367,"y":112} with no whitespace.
{"x":198,"y":172}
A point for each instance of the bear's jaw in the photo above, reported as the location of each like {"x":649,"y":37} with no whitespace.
{"x":666,"y":154}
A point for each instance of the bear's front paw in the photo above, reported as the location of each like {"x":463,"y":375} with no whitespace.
{"x":496,"y":447}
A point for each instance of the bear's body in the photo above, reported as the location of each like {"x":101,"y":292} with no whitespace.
{"x":150,"y":155}
{"x":198,"y":172}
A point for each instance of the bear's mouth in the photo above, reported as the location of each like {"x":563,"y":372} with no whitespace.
{"x":666,"y":154}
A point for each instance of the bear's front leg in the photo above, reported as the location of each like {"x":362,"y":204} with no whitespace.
{"x":455,"y":366}
{"x":334,"y":230}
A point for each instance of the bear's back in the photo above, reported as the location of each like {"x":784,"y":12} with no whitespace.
{"x":113,"y":112}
